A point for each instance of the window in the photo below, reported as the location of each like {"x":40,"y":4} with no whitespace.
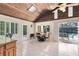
{"x":70,"y":11}
{"x":46,"y":28}
{"x":39,"y":28}
{"x":32,"y":8}
{"x":68,"y":29}
{"x":12,"y":28}
{"x":2,"y":27}
{"x":16,"y":25}
{"x":24,"y":29}
{"x":7,"y":27}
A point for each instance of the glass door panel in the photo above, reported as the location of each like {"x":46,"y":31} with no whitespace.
{"x":68,"y":31}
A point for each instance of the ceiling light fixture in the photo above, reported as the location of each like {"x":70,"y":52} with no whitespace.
{"x":62,"y":7}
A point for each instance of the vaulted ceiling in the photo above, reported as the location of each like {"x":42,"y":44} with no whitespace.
{"x":20,"y":10}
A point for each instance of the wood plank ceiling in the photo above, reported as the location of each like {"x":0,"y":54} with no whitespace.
{"x":20,"y":10}
{"x":49,"y":15}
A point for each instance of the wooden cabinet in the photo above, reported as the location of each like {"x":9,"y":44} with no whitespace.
{"x":8,"y":49}
{"x":1,"y":50}
{"x":10,"y":52}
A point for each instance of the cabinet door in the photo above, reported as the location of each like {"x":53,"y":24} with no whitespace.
{"x":11,"y":52}
{"x":1,"y":51}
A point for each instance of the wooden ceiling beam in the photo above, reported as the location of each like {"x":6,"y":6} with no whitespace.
{"x":13,"y":12}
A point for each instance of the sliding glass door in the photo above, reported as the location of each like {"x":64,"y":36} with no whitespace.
{"x":68,"y":31}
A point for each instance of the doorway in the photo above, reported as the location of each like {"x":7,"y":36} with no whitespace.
{"x":68,"y":38}
{"x":68,"y":32}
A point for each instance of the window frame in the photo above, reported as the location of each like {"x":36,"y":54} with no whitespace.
{"x":24,"y":32}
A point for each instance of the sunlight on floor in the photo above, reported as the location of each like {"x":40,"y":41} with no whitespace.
{"x":66,"y":49}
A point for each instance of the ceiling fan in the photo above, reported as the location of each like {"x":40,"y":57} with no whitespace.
{"x":63,"y":6}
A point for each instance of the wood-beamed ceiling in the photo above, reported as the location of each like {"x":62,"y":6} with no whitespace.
{"x":20,"y":10}
{"x":49,"y":15}
{"x":8,"y":9}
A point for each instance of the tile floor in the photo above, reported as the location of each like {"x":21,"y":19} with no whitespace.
{"x":66,"y":49}
{"x":35,"y":48}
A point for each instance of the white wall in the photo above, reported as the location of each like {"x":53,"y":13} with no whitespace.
{"x":19,"y":35}
{"x":54,"y":26}
{"x":44,"y":24}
